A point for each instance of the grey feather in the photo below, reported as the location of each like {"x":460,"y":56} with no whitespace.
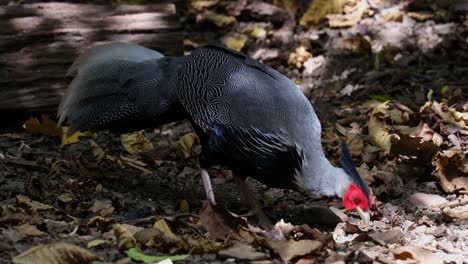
{"x":117,"y":84}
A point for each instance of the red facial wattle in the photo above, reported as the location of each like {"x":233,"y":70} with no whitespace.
{"x":354,"y":197}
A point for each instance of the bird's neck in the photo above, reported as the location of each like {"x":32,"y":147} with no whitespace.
{"x":319,"y":178}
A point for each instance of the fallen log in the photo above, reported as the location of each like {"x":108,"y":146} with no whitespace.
{"x":38,"y":42}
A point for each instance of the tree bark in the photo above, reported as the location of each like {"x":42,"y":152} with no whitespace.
{"x":38,"y":42}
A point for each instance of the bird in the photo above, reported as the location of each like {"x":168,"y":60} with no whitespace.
{"x":248,"y":116}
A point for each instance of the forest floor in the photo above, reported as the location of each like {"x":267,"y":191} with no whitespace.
{"x":388,"y":77}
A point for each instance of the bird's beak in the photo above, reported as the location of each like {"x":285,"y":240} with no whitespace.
{"x":364,"y":215}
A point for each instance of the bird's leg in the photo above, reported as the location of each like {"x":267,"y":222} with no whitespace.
{"x":255,"y":206}
{"x":207,"y":184}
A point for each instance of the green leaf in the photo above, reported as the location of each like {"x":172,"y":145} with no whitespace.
{"x":381,"y":97}
{"x":137,"y":255}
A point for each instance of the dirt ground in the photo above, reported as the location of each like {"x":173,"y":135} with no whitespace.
{"x":407,"y":52}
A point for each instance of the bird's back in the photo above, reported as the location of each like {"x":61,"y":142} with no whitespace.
{"x":233,"y":89}
{"x":253,"y":117}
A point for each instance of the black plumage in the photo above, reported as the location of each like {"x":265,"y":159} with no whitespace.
{"x":247,"y":115}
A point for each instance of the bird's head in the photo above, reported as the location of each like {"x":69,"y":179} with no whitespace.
{"x":356,"y":195}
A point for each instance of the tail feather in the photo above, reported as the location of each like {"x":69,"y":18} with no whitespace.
{"x":116,"y":85}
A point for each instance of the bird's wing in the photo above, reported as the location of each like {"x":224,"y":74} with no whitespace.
{"x":270,"y":158}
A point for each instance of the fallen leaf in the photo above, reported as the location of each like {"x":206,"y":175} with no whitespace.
{"x":66,"y":139}
{"x":460,"y":212}
{"x":203,"y":4}
{"x":97,"y":242}
{"x":29,"y":230}
{"x":214,"y":18}
{"x":290,"y":249}
{"x":33,"y":205}
{"x":416,"y":253}
{"x":353,"y":12}
{"x":125,"y":239}
{"x":299,"y":56}
{"x":421,"y":17}
{"x":55,"y":253}
{"x":256,"y":31}
{"x":219,"y":222}
{"x":319,"y":9}
{"x":426,"y":199}
{"x":235,"y":41}
{"x":451,"y":169}
{"x":103,"y":208}
{"x":136,"y":143}
{"x":393,"y":236}
{"x":137,"y":255}
{"x":190,"y":144}
{"x":46,"y":127}
{"x":448,"y":114}
{"x":280,"y":230}
{"x":243,"y":252}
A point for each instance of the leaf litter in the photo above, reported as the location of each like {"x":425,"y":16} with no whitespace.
{"x":402,"y":112}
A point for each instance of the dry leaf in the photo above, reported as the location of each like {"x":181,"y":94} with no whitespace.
{"x":243,"y":252}
{"x":203,"y":4}
{"x":387,"y":132}
{"x":290,"y":249}
{"x":125,"y":239}
{"x":353,"y":12}
{"x":103,"y":208}
{"x":29,"y":230}
{"x":392,"y":236}
{"x":299,"y":56}
{"x":379,"y":133}
{"x":46,"y":127}
{"x":426,"y":199}
{"x":460,"y":212}
{"x":219,"y":222}
{"x":92,"y":170}
{"x":217,"y":19}
{"x":451,"y":169}
{"x":136,"y":143}
{"x":421,"y":17}
{"x":190,"y":145}
{"x":66,"y":139}
{"x":33,"y":205}
{"x":448,"y":114}
{"x":235,"y":41}
{"x":256,"y":31}
{"x":416,"y":253}
{"x":55,"y":253}
{"x":319,"y":9}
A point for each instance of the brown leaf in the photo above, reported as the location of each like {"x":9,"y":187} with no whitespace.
{"x":451,"y":169}
{"x":214,"y":18}
{"x":125,"y":239}
{"x":416,"y":253}
{"x":55,"y":253}
{"x":392,"y":236}
{"x":33,"y":205}
{"x":290,"y":249}
{"x":319,"y":9}
{"x":46,"y":127}
{"x":353,"y":12}
{"x":220,"y":222}
{"x":29,"y":230}
{"x":243,"y":252}
{"x":382,"y":238}
{"x":448,"y":114}
{"x":103,"y":208}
